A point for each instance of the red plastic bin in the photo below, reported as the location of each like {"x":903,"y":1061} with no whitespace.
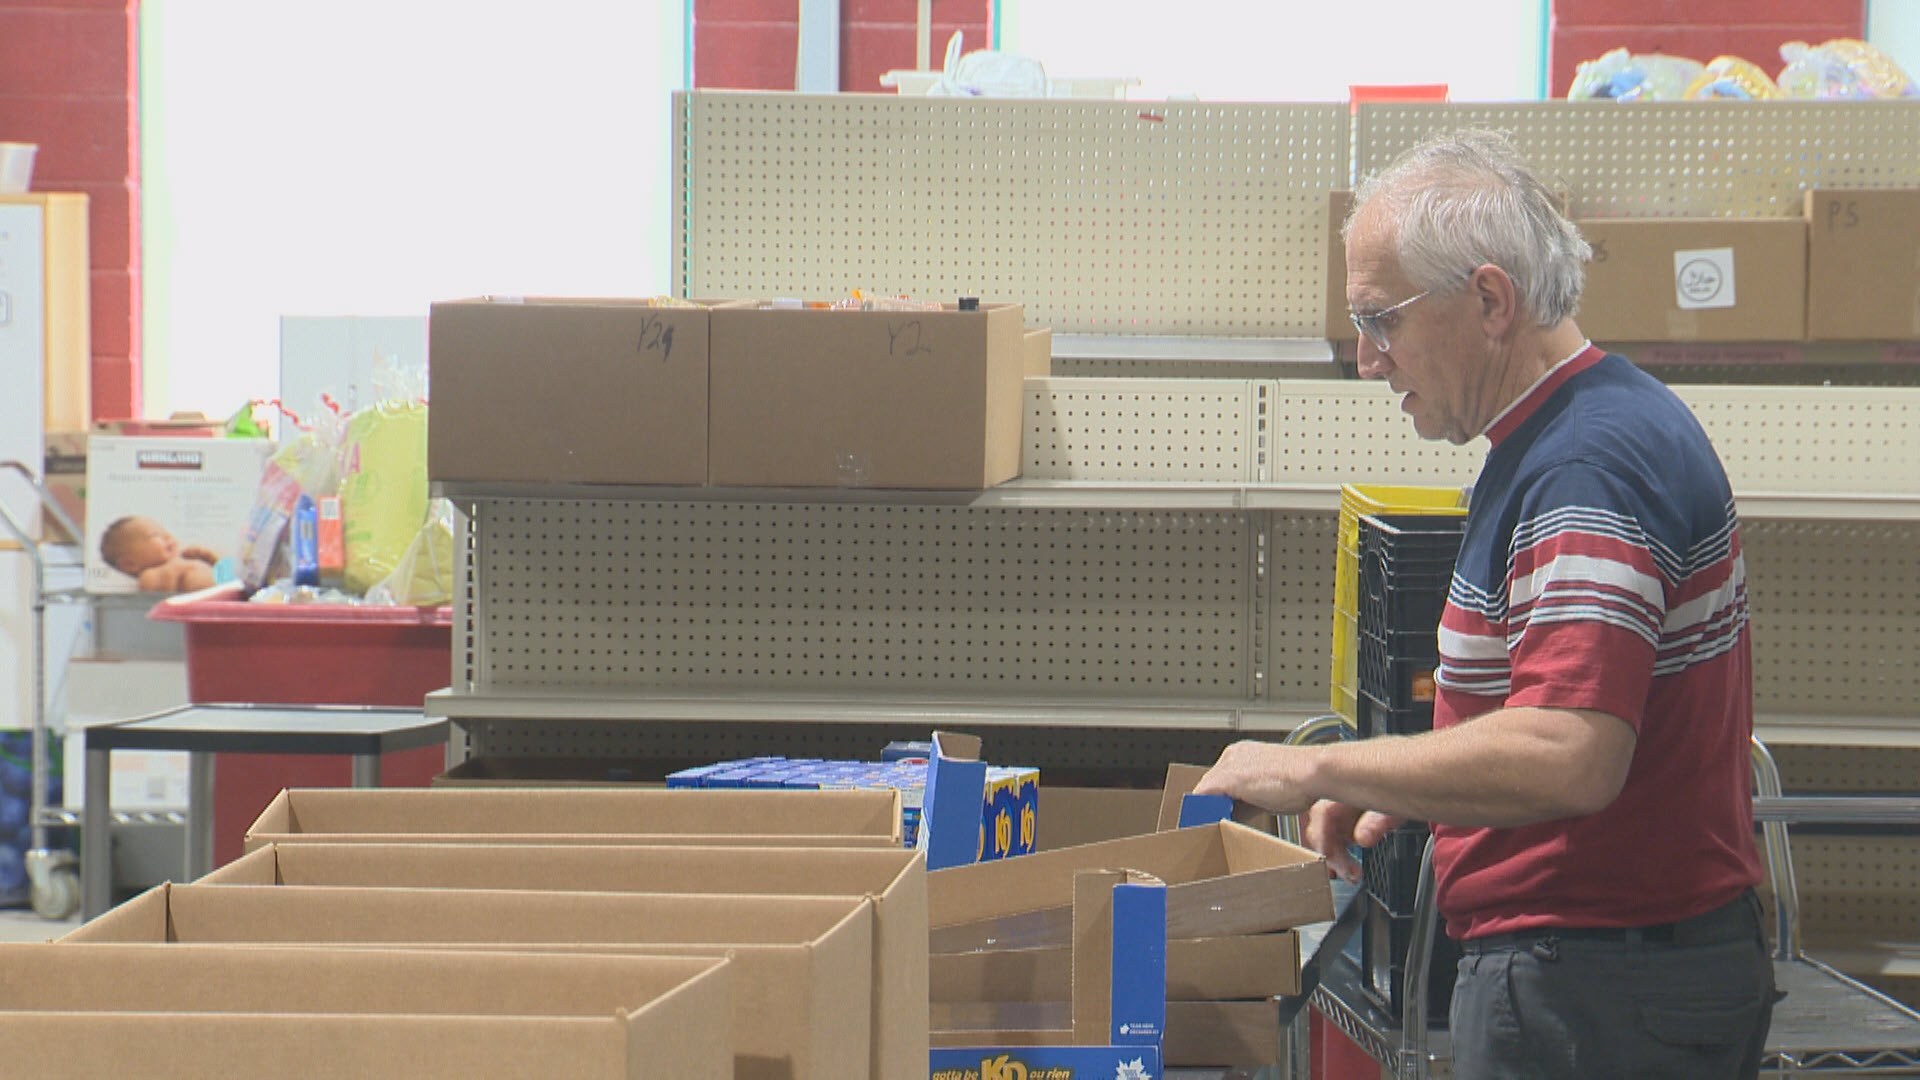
{"x":306,"y":654}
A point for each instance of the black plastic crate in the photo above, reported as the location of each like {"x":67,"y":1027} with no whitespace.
{"x":1391,"y":868}
{"x":1398,"y":674}
{"x":1384,"y":938}
{"x":1375,"y":717}
{"x":1405,"y":567}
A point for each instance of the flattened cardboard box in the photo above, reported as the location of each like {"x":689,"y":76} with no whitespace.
{"x":868,"y":818}
{"x":1673,"y":279}
{"x":74,"y":1011}
{"x":1863,"y":265}
{"x":550,"y":390}
{"x":1222,"y":880}
{"x":801,"y":965}
{"x":865,"y":399}
{"x":896,"y":882}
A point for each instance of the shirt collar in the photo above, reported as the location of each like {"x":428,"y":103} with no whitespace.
{"x":1523,"y":406}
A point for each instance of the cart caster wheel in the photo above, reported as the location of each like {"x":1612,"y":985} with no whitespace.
{"x":61,"y":896}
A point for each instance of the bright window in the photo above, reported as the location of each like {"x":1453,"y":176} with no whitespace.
{"x":366,"y":157}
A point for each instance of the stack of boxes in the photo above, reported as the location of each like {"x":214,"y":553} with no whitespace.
{"x":776,"y":935}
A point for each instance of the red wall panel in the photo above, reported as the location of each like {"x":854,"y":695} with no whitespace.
{"x":67,"y":83}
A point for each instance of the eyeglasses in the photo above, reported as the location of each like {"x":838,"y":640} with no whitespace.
{"x":1376,"y":325}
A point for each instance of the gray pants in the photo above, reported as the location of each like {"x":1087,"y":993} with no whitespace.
{"x":1690,"y":1001}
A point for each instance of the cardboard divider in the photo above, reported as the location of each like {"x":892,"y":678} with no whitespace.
{"x":88,"y":1011}
{"x":801,"y":965}
{"x":1222,"y":879}
{"x":895,"y":882}
{"x":1241,"y":967}
{"x":869,"y":818}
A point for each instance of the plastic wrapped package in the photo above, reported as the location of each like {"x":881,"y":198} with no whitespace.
{"x":308,"y":465}
{"x":383,"y":488}
{"x":424,"y":575}
{"x":1841,"y":69}
{"x":1731,"y":78}
{"x":1622,"y":76}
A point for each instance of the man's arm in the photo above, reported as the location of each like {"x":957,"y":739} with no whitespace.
{"x":1508,"y":767}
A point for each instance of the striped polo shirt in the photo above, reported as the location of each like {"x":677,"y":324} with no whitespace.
{"x":1601,"y":569}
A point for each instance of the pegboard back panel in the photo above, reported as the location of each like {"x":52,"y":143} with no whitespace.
{"x":1300,"y":562}
{"x":808,"y":597}
{"x":1814,"y":439}
{"x":1833,"y":614}
{"x":1101,"y":217}
{"x":1192,"y":430}
{"x":1677,"y":159}
{"x":1353,"y":432}
{"x":1828,"y":769}
{"x":1856,"y":889}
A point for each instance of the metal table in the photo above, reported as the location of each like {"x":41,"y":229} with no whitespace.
{"x":364,"y":733}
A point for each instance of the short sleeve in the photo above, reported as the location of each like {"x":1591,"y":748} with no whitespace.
{"x":1586,"y":595}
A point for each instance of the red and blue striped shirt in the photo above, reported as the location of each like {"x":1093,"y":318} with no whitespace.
{"x":1601,"y":569}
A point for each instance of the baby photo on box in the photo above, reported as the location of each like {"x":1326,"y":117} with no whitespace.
{"x":165,"y":514}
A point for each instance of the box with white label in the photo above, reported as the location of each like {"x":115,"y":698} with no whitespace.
{"x":165,"y":514}
{"x":1689,"y":279}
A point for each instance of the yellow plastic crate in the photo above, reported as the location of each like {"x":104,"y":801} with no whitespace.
{"x":1356,"y":502}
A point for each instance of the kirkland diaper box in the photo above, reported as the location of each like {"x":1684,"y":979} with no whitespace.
{"x":165,"y":514}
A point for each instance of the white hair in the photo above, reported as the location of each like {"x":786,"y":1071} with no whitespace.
{"x":1462,"y":199}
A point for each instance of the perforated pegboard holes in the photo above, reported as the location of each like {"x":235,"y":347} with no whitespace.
{"x":1813,"y":439}
{"x":1833,"y":617}
{"x":1157,"y":430}
{"x":1100,"y":217}
{"x":1680,"y":159}
{"x":1300,"y":561}
{"x":647,"y":596}
{"x":1329,"y":431}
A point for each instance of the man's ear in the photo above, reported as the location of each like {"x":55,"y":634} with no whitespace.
{"x":1499,"y":300}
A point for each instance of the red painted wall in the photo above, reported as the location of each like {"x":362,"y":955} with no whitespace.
{"x":1753,"y":30}
{"x":68,"y":82}
{"x":751,"y":44}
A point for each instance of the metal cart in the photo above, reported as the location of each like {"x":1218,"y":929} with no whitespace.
{"x":53,"y":876}
{"x":1827,"y":1024}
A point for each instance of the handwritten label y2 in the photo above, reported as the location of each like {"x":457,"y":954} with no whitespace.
{"x":656,"y":336}
{"x":903,"y":340}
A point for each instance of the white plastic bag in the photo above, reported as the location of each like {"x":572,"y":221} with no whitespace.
{"x":989,"y":73}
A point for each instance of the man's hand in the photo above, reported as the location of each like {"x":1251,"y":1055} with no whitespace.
{"x":1331,"y":828}
{"x":1268,"y":775}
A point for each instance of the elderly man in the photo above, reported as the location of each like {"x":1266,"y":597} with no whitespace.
{"x":1587,"y":777}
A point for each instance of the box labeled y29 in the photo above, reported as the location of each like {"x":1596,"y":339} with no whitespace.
{"x":866,"y":399}
{"x":552,"y":391}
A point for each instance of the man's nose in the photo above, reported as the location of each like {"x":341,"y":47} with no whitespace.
{"x":1371,"y":360}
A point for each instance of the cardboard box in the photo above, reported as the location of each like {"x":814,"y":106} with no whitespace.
{"x":1339,"y":326}
{"x":580,"y":391}
{"x":866,"y":399}
{"x":1116,"y":1018}
{"x":1077,"y":815}
{"x":1199,"y":1034}
{"x":65,"y":477}
{"x":1863,"y":265}
{"x":706,"y":818}
{"x":1674,"y":279}
{"x":1037,"y":344}
{"x":178,"y":1011}
{"x":1223,"y":879}
{"x":895,"y":881}
{"x":801,"y":965}
{"x":199,"y":492}
{"x":1198,"y":969}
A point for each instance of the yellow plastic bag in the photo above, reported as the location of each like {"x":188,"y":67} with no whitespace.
{"x":383,"y":488}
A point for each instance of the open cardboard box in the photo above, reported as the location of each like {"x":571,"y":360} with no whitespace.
{"x":801,"y":965}
{"x":869,"y":818}
{"x":1222,"y":879}
{"x":895,"y":881}
{"x":1118,"y":1007}
{"x":80,"y":1012}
